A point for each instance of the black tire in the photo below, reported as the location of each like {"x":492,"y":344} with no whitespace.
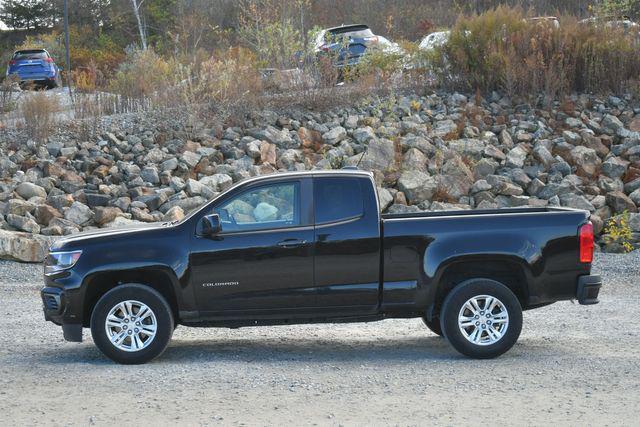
{"x":153,"y":300}
{"x":433,"y":325}
{"x":457,"y":298}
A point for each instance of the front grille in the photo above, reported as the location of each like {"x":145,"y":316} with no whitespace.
{"x":52,"y":301}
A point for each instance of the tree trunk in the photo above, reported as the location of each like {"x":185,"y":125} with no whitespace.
{"x":136,"y":12}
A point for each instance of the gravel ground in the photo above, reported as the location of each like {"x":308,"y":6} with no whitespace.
{"x":573,"y":365}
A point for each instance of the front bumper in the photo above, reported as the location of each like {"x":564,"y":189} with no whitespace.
{"x":53,"y":304}
{"x":60,"y":304}
{"x":588,"y":289}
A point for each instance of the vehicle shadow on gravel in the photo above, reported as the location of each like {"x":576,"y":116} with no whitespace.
{"x":308,"y":350}
{"x":278,"y":350}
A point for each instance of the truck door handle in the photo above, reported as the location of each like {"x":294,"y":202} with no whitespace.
{"x":291,"y":243}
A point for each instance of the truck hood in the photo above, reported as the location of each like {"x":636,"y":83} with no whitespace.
{"x":77,"y":241}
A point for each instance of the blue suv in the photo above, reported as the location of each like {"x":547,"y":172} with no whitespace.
{"x":34,"y":67}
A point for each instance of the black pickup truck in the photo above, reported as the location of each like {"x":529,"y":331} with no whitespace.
{"x":312,"y":247}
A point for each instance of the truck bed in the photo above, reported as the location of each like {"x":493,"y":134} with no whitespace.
{"x":472,"y":212}
{"x":537,"y":246}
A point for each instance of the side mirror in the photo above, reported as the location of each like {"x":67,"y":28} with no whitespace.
{"x":211,"y":225}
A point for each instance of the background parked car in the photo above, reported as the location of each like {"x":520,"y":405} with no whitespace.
{"x":36,"y":67}
{"x":545,"y":20}
{"x":345,"y":45}
{"x":625,"y":23}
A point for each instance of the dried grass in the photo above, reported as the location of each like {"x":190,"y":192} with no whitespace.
{"x":38,"y":112}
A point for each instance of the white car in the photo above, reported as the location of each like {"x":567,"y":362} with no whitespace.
{"x":389,"y":47}
{"x":434,"y":40}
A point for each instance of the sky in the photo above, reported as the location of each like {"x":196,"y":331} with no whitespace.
{"x":2,"y":26}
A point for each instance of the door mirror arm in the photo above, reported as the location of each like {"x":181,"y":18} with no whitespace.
{"x":211,"y":225}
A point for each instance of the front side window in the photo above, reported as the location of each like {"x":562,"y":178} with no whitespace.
{"x":337,"y":199}
{"x":267,"y":206}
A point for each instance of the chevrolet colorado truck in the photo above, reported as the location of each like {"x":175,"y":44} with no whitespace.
{"x":312,"y":247}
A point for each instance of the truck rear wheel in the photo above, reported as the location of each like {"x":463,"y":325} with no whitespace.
{"x":481,"y":318}
{"x":132,"y":324}
{"x":433,"y":325}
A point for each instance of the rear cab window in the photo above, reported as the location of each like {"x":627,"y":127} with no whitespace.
{"x":337,"y":199}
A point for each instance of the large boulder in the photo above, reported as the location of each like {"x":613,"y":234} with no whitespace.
{"x":106,"y":214}
{"x":586,"y":160}
{"x":455,"y":179}
{"x":417,"y":186}
{"x":635,"y":197}
{"x":444,"y":129}
{"x":414,"y":159}
{"x":153,"y":201}
{"x":45,"y":213}
{"x":280,"y":137}
{"x":576,"y":201}
{"x":379,"y":156}
{"x":79,"y":213}
{"x":310,"y":139}
{"x":516,"y":157}
{"x":27,"y":190}
{"x":620,"y":202}
{"x":217,"y":182}
{"x":469,"y":147}
{"x":191,"y":159}
{"x":23,"y":223}
{"x":25,"y":247}
{"x":174,"y":214}
{"x":385,"y":197}
{"x":612,"y":123}
{"x":18,"y":207}
{"x":614,"y":167}
{"x":335,"y":135}
{"x":364,"y":134}
{"x":543,"y":155}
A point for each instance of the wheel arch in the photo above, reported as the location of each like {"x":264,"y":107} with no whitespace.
{"x":508,"y":270}
{"x":158,"y":278}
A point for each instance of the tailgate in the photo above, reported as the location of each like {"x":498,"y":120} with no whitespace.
{"x":31,"y":67}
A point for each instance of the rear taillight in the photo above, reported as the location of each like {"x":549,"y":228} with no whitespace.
{"x":49,"y":60}
{"x":586,"y":243}
{"x":12,"y":62}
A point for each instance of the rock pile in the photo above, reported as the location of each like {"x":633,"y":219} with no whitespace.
{"x":435,"y":152}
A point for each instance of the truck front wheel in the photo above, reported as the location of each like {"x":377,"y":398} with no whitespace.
{"x":481,"y":318}
{"x":132,"y":324}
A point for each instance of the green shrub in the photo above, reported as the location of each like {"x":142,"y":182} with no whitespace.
{"x":142,"y":74}
{"x":503,"y":50}
{"x":619,"y":231}
{"x":226,"y":84}
{"x":380,"y":63}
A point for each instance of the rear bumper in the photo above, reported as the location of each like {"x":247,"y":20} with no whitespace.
{"x":37,"y":81}
{"x":35,"y":77}
{"x":588,"y":289}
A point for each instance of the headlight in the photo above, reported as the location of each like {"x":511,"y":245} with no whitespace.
{"x":58,"y":261}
